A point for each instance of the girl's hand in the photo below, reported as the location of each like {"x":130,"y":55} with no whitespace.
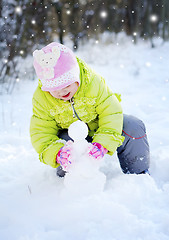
{"x":64,"y":156}
{"x":97,"y":151}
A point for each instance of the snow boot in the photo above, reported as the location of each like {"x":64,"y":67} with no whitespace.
{"x":60,"y":172}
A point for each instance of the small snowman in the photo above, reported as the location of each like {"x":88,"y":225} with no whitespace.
{"x":78,"y":131}
{"x":84,"y":172}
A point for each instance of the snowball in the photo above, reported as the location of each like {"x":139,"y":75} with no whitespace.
{"x":78,"y":130}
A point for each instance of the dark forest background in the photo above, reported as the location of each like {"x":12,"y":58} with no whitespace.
{"x":26,"y":24}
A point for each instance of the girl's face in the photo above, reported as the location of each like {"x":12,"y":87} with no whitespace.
{"x":65,"y":93}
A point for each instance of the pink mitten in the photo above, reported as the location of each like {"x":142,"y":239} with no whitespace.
{"x":64,"y":156}
{"x":97,"y":151}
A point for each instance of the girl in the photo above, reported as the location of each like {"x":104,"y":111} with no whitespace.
{"x":69,"y":90}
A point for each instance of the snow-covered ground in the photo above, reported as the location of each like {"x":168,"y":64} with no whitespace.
{"x":36,"y":205}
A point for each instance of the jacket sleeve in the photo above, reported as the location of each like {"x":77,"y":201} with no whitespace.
{"x":110,"y":116}
{"x":43,"y":132}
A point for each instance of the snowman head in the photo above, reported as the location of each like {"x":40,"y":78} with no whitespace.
{"x":78,"y":131}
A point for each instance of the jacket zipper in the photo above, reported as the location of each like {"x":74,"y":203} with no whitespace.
{"x":74,"y":111}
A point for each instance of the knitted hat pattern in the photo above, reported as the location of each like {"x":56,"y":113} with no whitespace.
{"x":56,"y":66}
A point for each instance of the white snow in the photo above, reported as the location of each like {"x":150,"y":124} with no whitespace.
{"x":36,"y":205}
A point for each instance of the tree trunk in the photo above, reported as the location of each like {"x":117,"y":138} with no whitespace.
{"x":58,"y":8}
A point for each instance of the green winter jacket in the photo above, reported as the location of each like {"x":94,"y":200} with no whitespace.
{"x":94,"y":103}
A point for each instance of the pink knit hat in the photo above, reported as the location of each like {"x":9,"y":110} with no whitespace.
{"x":56,"y":66}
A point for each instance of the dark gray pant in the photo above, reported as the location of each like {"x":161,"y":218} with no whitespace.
{"x":133,"y":154}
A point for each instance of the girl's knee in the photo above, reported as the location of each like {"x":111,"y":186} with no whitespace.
{"x":133,"y":127}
